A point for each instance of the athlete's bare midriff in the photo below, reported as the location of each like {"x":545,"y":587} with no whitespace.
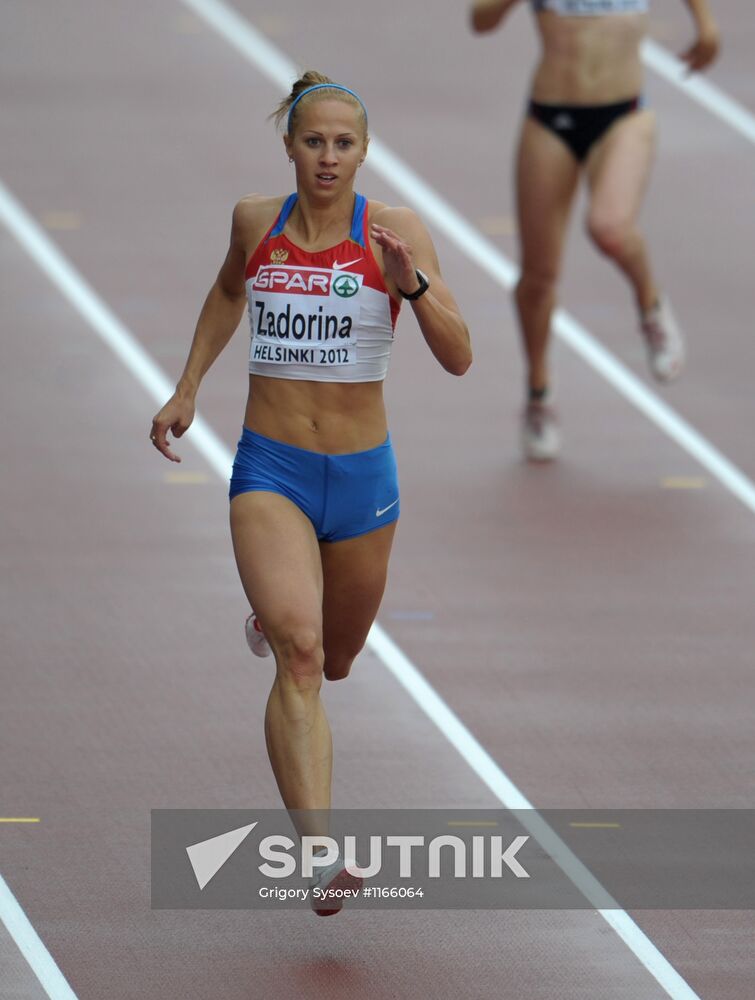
{"x":329,"y":417}
{"x":333,"y":418}
{"x":589,"y":60}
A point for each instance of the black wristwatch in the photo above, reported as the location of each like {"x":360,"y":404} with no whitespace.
{"x":424,"y":284}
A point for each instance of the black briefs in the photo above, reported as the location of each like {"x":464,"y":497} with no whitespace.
{"x":581,"y":125}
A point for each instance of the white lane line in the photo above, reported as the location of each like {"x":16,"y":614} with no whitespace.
{"x":451,"y":726}
{"x":102,"y":320}
{"x":125,"y":346}
{"x":655,"y":409}
{"x":31,"y":947}
{"x":271,"y":62}
{"x":83,"y":297}
{"x":700,"y":89}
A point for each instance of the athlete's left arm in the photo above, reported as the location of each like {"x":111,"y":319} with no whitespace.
{"x":406,"y":246}
{"x":705,"y":48}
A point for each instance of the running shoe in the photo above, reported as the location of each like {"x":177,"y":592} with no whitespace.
{"x":255,"y":637}
{"x":665,"y":345}
{"x":333,"y":878}
{"x":540,"y":437}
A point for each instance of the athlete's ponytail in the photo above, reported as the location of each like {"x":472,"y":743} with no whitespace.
{"x":312,"y":86}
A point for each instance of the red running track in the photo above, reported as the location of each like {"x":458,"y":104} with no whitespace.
{"x":591,"y":623}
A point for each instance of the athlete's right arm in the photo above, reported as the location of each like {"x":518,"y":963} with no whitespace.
{"x":704,"y":49}
{"x":485,"y":15}
{"x":218,"y":321}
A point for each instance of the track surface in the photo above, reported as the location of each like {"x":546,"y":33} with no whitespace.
{"x":591,"y":623}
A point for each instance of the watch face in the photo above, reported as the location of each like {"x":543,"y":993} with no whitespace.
{"x":424,"y":284}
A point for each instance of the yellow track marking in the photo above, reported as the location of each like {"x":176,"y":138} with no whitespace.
{"x":684,"y":483}
{"x":273,"y":24}
{"x":472,"y":822}
{"x":596,"y":826}
{"x":60,"y":220}
{"x":186,"y":478}
{"x":498,"y":225}
{"x":188,"y":24}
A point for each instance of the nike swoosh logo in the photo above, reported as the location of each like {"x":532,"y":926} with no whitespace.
{"x":340,"y":267}
{"x":381,"y":510}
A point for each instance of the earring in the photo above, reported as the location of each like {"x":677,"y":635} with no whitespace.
{"x":290,"y":159}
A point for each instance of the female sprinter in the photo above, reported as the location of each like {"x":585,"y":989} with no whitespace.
{"x":314,"y":493}
{"x":586,"y":115}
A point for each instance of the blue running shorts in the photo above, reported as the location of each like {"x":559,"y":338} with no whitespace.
{"x":342,"y":495}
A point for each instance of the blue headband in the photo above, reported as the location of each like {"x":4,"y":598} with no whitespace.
{"x":323,"y":86}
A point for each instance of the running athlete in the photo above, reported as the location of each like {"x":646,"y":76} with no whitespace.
{"x":314,"y":494}
{"x":586,"y":116}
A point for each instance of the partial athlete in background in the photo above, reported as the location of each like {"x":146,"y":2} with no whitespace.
{"x":587,"y":117}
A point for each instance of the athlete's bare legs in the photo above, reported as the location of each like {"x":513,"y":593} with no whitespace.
{"x":617,"y":170}
{"x":547,"y":176}
{"x":316,"y":603}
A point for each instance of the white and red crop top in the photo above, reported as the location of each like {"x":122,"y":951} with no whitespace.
{"x":324,"y":316}
{"x":591,"y":8}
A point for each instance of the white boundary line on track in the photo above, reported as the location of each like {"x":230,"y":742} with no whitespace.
{"x":32,"y":948}
{"x":35,"y":241}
